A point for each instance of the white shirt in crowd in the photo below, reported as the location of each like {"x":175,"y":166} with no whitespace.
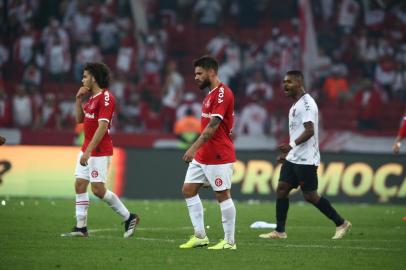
{"x":304,"y":110}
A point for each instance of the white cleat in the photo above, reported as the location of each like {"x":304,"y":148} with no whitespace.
{"x":274,"y":235}
{"x":342,"y":230}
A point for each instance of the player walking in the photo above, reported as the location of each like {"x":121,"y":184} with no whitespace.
{"x":301,"y":158}
{"x":94,"y":158}
{"x":211,"y":157}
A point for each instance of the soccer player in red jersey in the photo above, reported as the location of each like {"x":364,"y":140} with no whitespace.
{"x":97,"y":149}
{"x":401,"y":134}
{"x":211,"y":157}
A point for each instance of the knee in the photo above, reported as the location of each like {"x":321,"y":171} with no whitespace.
{"x":282,"y":192}
{"x":98,"y":192}
{"x":311,"y":198}
{"x":188,"y":192}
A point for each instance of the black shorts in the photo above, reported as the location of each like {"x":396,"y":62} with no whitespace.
{"x":299,"y":174}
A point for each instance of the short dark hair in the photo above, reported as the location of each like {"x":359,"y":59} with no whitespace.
{"x":100,"y":72}
{"x":206,"y":62}
{"x":297,"y":74}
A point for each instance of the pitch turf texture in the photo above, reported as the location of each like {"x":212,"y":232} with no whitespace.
{"x":30,"y":237}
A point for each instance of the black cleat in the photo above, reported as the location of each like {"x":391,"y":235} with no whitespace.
{"x":76,"y":232}
{"x":130,"y":224}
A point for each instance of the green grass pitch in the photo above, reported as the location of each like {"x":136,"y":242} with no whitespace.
{"x":30,"y":237}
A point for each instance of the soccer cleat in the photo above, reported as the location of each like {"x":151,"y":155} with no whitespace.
{"x":223,"y":245}
{"x":274,"y":235}
{"x":130,"y":224}
{"x":195,"y":242}
{"x":342,"y":230}
{"x":76,"y":232}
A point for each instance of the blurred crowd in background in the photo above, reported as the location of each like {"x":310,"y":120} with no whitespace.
{"x":359,"y":80}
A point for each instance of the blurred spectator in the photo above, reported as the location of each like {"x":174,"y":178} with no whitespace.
{"x":23,"y":108}
{"x":58,"y":60}
{"x":4,"y":54}
{"x":126,"y":63}
{"x":52,"y":30}
{"x":336,"y":85}
{"x":172,"y":94}
{"x":348,"y":14}
{"x":385,"y":74}
{"x":399,"y":82}
{"x":80,"y":23}
{"x":32,"y":75}
{"x":254,"y":118}
{"x":130,"y":113}
{"x":67,"y":113}
{"x":24,"y":46}
{"x":108,"y":34}
{"x":368,"y":102}
{"x":189,"y":102}
{"x":49,"y":117}
{"x":88,"y":52}
{"x":217,"y":46}
{"x":5,"y":107}
{"x":152,"y":58}
{"x":259,"y":87}
{"x":207,"y":12}
{"x":187,"y":129}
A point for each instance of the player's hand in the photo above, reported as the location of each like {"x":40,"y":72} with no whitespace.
{"x":84,"y":158}
{"x":396,"y":147}
{"x":2,"y":140}
{"x":82,"y":91}
{"x":284,"y":147}
{"x":189,"y":155}
{"x":281,"y":158}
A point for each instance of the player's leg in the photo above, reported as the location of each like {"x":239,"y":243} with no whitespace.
{"x":98,"y":167}
{"x":82,"y":200}
{"x":287,"y":181}
{"x":194,"y":179}
{"x":219,"y":177}
{"x":309,"y":186}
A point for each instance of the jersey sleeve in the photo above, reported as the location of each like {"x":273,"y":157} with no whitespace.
{"x":309,"y":112}
{"x":221,"y":102}
{"x":106,"y":104}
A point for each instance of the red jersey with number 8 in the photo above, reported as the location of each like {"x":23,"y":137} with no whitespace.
{"x":99,"y":107}
{"x":220,"y":148}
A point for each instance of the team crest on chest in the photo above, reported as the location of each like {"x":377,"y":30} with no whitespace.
{"x":294,"y":112}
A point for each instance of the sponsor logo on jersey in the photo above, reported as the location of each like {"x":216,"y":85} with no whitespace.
{"x":106,"y":99}
{"x":90,"y":115}
{"x":220,"y":97}
{"x":95,"y":174}
{"x":218,"y":182}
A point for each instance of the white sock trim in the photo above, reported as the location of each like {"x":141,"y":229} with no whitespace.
{"x":193,"y":200}
{"x":226,"y":204}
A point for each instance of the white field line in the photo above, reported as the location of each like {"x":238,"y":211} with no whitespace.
{"x":143,"y":229}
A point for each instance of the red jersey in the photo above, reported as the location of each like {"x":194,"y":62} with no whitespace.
{"x":220,"y":148}
{"x":98,"y":107}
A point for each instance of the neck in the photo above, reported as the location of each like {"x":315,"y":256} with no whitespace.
{"x":96,"y":90}
{"x":299,"y":94}
{"x":214,"y":83}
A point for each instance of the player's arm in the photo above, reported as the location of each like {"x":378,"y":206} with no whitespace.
{"x":206,"y":135}
{"x":307,"y":134}
{"x":401,"y":134}
{"x":80,"y":115}
{"x":97,"y":137}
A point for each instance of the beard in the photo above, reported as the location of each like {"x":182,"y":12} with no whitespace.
{"x":204,"y":84}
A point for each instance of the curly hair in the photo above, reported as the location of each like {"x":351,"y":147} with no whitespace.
{"x":100,"y":72}
{"x":206,"y":62}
